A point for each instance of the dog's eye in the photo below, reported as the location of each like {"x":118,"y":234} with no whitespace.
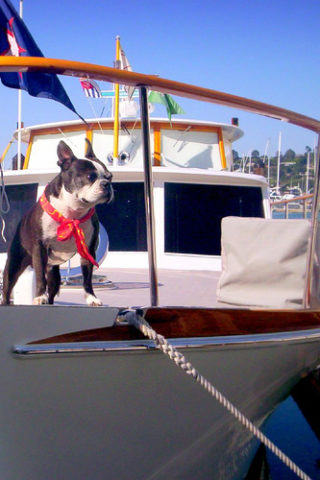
{"x":92,"y":176}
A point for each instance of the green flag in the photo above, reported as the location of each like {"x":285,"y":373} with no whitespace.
{"x":166,"y":100}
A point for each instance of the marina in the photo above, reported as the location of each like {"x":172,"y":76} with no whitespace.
{"x":218,"y":337}
{"x":184,"y":340}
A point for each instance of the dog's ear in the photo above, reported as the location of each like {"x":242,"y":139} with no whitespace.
{"x":89,"y":151}
{"x":65,"y":155}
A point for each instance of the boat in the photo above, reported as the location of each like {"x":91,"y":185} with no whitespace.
{"x":90,"y":392}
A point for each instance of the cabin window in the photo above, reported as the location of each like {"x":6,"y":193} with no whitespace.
{"x":124,"y":218}
{"x":193,"y":214}
{"x":21,"y":198}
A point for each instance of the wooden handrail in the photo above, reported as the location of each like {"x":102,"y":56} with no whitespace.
{"x":113,"y":75}
{"x":289,"y":200}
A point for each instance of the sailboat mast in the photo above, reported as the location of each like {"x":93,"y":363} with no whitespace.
{"x":266,"y":156}
{"x":278,"y":167}
{"x":307,"y":172}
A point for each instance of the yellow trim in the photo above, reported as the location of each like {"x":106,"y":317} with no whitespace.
{"x":157,"y":145}
{"x":116,"y":107}
{"x":89,"y":135}
{"x":221,"y":150}
{"x":3,"y":156}
{"x":28,"y":153}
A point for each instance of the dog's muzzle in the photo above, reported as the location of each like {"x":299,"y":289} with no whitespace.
{"x":107,"y":190}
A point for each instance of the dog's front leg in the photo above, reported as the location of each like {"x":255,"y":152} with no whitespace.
{"x":91,"y":299}
{"x":53,"y":281}
{"x":39,"y":262}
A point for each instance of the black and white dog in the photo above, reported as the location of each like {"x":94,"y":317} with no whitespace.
{"x":67,"y":204}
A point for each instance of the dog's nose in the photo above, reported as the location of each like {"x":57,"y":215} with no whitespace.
{"x":105,"y":184}
{"x":108,"y":176}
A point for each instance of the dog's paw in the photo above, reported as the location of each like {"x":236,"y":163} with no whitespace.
{"x":42,"y":300}
{"x":93,"y":301}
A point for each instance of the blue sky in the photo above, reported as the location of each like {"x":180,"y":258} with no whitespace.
{"x":267,"y":50}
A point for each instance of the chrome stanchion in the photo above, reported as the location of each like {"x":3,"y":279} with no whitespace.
{"x":148,"y":195}
{"x":314,"y":232}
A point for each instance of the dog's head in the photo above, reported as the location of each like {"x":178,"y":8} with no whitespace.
{"x":87,"y":180}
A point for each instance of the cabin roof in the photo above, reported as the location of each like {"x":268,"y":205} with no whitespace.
{"x":230,"y":132}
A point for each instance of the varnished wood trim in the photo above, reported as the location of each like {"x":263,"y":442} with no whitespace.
{"x":108,"y":125}
{"x":200,"y":322}
{"x":113,"y":75}
{"x":192,"y":127}
{"x":56,"y":130}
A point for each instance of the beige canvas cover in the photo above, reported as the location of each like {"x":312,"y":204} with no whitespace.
{"x":264,"y":262}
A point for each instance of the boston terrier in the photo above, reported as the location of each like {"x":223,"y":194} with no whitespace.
{"x":62,"y":223}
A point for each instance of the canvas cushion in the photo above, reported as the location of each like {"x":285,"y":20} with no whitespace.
{"x":264,"y":262}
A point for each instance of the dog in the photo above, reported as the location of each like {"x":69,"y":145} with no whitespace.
{"x":62,"y":222}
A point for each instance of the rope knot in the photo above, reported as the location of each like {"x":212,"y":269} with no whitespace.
{"x":67,"y":229}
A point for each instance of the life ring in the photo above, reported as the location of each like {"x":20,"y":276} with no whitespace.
{"x":102,"y":250}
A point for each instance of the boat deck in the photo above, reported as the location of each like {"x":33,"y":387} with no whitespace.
{"x":130,"y":288}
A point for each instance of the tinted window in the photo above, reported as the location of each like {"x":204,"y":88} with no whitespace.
{"x":21,"y":199}
{"x":193,"y":214}
{"x":124,"y":219}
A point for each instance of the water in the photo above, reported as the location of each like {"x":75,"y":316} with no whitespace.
{"x":280,"y":215}
{"x":288,"y":429}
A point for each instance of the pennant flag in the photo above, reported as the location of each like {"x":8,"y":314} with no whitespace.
{"x":90,"y":88}
{"x":16,"y":40}
{"x":124,"y":62}
{"x":171,"y":105}
{"x":125,"y":65}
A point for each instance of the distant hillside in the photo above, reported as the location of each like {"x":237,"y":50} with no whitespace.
{"x":293,"y":167}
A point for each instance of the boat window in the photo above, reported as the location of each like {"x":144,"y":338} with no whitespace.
{"x":193,"y":214}
{"x":21,"y":199}
{"x":124,"y":219}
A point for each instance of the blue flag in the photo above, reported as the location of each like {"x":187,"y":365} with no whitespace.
{"x":15,"y":39}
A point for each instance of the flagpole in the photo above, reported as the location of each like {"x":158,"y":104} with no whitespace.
{"x":19,"y":125}
{"x":116,"y":105}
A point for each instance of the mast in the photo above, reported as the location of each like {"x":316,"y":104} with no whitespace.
{"x":278,"y":167}
{"x":307,"y":172}
{"x":266,"y":156}
{"x":116,"y":104}
{"x":19,"y":123}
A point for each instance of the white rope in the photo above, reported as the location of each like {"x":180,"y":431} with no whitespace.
{"x":4,"y":203}
{"x":141,"y":324}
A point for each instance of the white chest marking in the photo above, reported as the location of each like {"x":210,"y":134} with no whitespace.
{"x":60,"y":252}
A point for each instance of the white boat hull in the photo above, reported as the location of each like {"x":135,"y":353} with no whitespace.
{"x":125,"y":412}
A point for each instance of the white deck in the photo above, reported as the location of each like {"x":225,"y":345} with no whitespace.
{"x":131,"y":288}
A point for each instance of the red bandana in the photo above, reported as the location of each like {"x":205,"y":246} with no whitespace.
{"x":69,"y":228}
